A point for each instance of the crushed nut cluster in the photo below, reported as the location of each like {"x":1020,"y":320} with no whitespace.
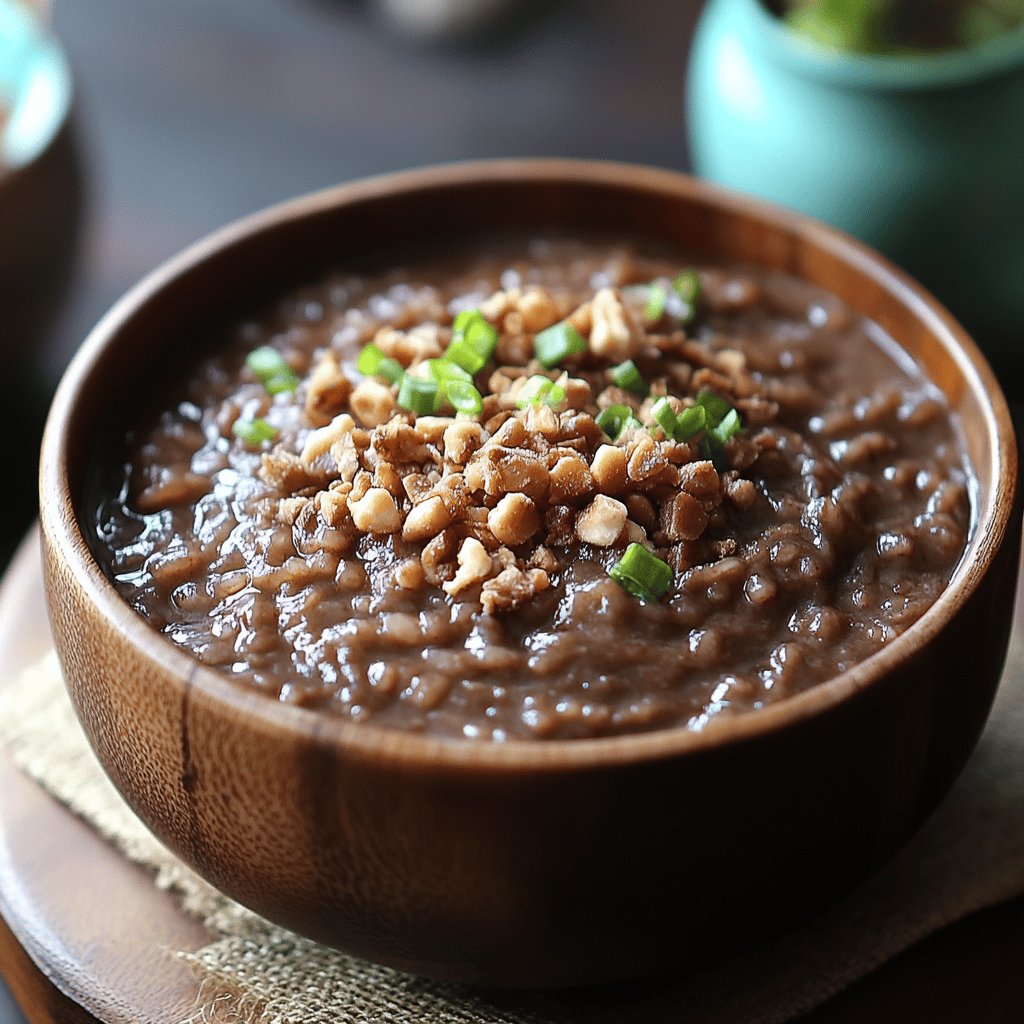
{"x":500,"y":500}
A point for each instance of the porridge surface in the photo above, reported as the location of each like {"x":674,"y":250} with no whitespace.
{"x":454,"y":574}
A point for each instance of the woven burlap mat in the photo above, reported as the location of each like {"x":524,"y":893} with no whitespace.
{"x":970,"y":855}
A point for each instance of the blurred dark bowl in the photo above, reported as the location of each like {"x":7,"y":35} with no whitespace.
{"x":40,"y":214}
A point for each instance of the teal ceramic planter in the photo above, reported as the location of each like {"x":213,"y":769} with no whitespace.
{"x":921,"y":156}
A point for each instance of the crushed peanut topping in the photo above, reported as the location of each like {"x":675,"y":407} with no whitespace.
{"x":559,"y":458}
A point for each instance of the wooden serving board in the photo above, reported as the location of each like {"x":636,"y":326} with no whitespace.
{"x":87,"y":937}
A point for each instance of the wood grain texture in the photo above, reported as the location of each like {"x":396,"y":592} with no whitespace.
{"x":88,"y":933}
{"x":967,"y":972}
{"x":509,"y":864}
{"x":36,"y":994}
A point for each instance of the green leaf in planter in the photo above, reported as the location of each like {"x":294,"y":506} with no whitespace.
{"x":858,"y":25}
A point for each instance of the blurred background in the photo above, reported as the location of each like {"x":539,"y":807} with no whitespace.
{"x":186,"y":115}
{"x":130,"y":129}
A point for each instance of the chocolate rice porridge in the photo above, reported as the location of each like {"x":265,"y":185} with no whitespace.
{"x":572,"y":490}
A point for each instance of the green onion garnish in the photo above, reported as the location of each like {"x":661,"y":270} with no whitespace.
{"x":713,"y":451}
{"x":273,"y":371}
{"x":373,"y":363}
{"x":464,"y":321}
{"x":654,"y":308}
{"x":631,"y":422}
{"x":628,"y":377}
{"x":444,"y":370}
{"x":554,"y":345}
{"x":418,"y":395}
{"x":642,"y":574}
{"x":266,"y":361}
{"x":728,"y":428}
{"x":455,"y":384}
{"x":369,"y":359}
{"x":473,"y":341}
{"x":611,"y":420}
{"x":539,"y":390}
{"x":280,"y":383}
{"x":687,"y":287}
{"x":665,"y":416}
{"x":690,"y":422}
{"x":723,"y":423}
{"x":464,"y":355}
{"x":253,"y":432}
{"x":463,"y":396}
{"x":716,"y":407}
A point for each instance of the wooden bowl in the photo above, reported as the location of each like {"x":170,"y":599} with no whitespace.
{"x":524,"y":863}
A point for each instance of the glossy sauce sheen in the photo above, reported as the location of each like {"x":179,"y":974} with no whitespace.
{"x":862,"y":513}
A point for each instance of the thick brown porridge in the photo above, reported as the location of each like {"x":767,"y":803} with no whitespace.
{"x":672,"y":493}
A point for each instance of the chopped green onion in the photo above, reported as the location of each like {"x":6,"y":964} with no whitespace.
{"x":463,"y":396}
{"x":690,"y":422}
{"x":664,"y":415}
{"x":716,"y":407}
{"x":464,"y":355}
{"x":714,"y":452}
{"x":374,"y":363}
{"x":554,"y":345}
{"x":631,"y":423}
{"x":281,"y":382}
{"x":540,"y":390}
{"x":532,"y":391}
{"x":253,"y":432}
{"x":723,"y":423}
{"x":456,"y":384}
{"x":418,"y":395}
{"x":464,"y":320}
{"x":444,"y":370}
{"x":728,"y":428}
{"x":272,"y":369}
{"x":655,"y":306}
{"x":473,"y":341}
{"x":369,"y":359}
{"x":479,"y":333}
{"x":611,"y":420}
{"x":555,"y":395}
{"x":265,"y":361}
{"x":688,"y":287}
{"x":642,"y":574}
{"x":628,"y":377}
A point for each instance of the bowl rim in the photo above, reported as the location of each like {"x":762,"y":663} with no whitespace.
{"x":61,"y":530}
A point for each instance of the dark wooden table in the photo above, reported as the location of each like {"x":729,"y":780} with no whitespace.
{"x":195,"y":112}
